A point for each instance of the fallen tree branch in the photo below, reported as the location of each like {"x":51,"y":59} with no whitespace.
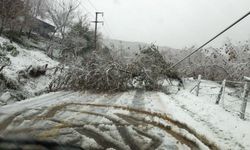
{"x":99,"y":73}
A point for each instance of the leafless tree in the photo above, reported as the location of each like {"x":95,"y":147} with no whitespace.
{"x":10,"y":13}
{"x":62,"y":14}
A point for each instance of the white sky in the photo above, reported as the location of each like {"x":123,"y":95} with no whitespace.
{"x":174,"y":23}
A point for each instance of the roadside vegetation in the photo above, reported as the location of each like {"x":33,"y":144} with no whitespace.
{"x":70,"y":41}
{"x":231,"y":61}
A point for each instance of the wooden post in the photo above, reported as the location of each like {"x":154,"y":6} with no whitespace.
{"x":222,"y":93}
{"x":198,"y":85}
{"x":244,"y":99}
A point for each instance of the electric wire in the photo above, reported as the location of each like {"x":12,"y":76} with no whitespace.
{"x":229,"y":27}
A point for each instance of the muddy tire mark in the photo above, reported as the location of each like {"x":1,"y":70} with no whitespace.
{"x":103,"y":140}
{"x":125,"y":133}
{"x":6,"y":122}
{"x":154,"y":144}
{"x":123,"y":130}
{"x":137,"y":101}
{"x":202,"y":138}
{"x":184,"y":140}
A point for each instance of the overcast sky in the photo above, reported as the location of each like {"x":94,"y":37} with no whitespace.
{"x":174,"y":23}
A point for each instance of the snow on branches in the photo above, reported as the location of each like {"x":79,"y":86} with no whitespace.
{"x":102,"y":72}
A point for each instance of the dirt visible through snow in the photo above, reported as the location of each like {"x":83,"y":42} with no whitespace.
{"x":99,"y":121}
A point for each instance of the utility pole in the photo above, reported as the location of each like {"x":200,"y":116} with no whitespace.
{"x":96,"y":23}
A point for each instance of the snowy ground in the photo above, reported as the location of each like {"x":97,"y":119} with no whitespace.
{"x":23,"y":60}
{"x":218,"y":124}
{"x":26,"y":58}
{"x":130,"y":120}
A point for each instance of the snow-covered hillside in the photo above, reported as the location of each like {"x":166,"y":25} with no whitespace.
{"x":130,"y":48}
{"x":26,"y":57}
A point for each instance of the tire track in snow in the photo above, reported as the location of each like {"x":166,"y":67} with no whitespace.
{"x":214,"y":129}
{"x":7,"y":121}
{"x":180,"y":125}
{"x":184,"y":140}
{"x":46,"y":100}
{"x":11,"y":112}
{"x":102,"y":139}
{"x":108,"y":99}
{"x":138,"y":102}
{"x":123,"y":130}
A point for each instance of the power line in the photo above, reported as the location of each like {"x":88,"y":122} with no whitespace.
{"x":106,"y":26}
{"x":92,"y":5}
{"x":236,"y":22}
{"x":106,"y":29}
{"x":85,"y":8}
{"x":92,"y":15}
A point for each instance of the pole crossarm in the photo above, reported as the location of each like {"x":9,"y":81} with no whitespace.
{"x":96,"y":23}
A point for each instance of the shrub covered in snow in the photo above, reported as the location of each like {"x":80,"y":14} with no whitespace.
{"x":10,"y":91}
{"x":7,"y":48}
{"x":4,"y":61}
{"x":231,"y":62}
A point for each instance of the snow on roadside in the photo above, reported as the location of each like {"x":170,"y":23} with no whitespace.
{"x":23,"y":60}
{"x":224,"y":128}
{"x":26,"y":58}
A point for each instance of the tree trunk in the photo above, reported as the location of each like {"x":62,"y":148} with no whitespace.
{"x":1,"y":30}
{"x":21,"y":31}
{"x":2,"y":26}
{"x":29,"y":33}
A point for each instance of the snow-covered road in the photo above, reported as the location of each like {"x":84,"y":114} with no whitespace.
{"x":129,"y":120}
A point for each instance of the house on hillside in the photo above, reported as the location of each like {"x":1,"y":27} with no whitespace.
{"x":39,"y":26}
{"x":42,"y":27}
